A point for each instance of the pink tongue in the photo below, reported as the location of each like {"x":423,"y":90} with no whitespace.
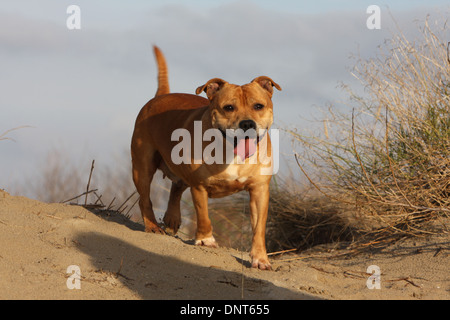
{"x":245,"y":148}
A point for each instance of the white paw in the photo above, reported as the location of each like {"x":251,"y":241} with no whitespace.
{"x":207,"y":242}
{"x":260,"y":261}
{"x":262,"y":264}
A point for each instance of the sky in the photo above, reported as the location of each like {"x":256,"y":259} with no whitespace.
{"x":80,"y":91}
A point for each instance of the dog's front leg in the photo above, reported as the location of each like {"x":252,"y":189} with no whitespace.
{"x":259,"y":206}
{"x":204,"y":236}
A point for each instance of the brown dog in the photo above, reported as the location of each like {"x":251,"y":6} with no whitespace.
{"x":228,"y":107}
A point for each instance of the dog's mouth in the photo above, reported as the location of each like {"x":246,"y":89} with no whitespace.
{"x":245,"y":148}
{"x":245,"y":145}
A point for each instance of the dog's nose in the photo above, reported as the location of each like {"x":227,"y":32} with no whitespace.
{"x":247,"y":124}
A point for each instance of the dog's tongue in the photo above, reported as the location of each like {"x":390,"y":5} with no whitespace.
{"x":245,"y":148}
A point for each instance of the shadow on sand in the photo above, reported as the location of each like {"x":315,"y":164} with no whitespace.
{"x":155,"y":276}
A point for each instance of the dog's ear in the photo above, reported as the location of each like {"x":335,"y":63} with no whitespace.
{"x":211,"y":87}
{"x":267,"y":84}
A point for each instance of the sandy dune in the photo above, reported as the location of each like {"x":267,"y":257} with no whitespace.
{"x":39,"y":241}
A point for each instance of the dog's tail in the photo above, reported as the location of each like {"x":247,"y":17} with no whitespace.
{"x":163,"y":75}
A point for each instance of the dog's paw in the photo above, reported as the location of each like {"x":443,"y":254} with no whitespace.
{"x":171,"y":225}
{"x":153,"y":228}
{"x":169,"y":231}
{"x":261,"y":263}
{"x":207,"y":242}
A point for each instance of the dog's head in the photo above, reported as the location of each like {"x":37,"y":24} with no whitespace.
{"x":240,"y":107}
{"x":248,"y":108}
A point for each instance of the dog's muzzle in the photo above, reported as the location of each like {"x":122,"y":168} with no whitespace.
{"x":245,"y":139}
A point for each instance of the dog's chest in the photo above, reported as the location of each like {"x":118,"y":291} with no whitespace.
{"x":232,"y":180}
{"x":234,"y":173}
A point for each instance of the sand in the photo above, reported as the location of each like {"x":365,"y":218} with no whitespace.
{"x":115,"y":259}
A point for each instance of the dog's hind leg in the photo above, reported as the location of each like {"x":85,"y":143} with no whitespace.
{"x":144,"y":167}
{"x":172,"y":217}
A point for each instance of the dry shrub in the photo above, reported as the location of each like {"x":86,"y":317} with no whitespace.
{"x":58,"y":179}
{"x":390,"y":157}
{"x":298,"y":219}
{"x":301,"y":219}
{"x":63,"y":179}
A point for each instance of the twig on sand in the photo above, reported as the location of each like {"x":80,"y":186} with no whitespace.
{"x":407,"y":279}
{"x":110,"y":204}
{"x":84,"y":193}
{"x":281,"y":252}
{"x":118,"y":273}
{"x":120,"y":207}
{"x":89,"y":182}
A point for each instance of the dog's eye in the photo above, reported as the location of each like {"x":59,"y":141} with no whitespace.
{"x":228,"y":107}
{"x":258,"y":106}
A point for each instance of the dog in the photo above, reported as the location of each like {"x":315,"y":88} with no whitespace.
{"x":227,"y":107}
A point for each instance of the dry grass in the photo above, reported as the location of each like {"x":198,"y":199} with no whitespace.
{"x":64,"y":179}
{"x":4,"y":135}
{"x":301,"y":219}
{"x":298,"y":219}
{"x":390,"y":158}
{"x":58,"y":179}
